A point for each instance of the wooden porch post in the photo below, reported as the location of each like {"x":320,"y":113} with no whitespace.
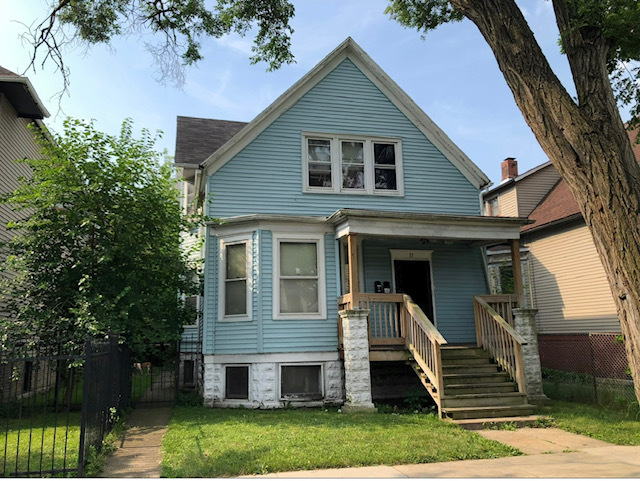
{"x":516,"y":265}
{"x":352,"y":245}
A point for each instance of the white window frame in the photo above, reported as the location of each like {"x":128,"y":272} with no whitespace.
{"x":318,"y":239}
{"x":222,"y":268}
{"x":282,"y":397}
{"x":336,"y":164}
{"x":249,"y":383}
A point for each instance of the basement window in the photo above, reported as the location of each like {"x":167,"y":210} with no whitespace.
{"x":301,"y":382}
{"x":236,"y":382}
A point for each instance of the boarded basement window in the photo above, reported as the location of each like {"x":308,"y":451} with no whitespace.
{"x":237,"y":382}
{"x":301,"y":382}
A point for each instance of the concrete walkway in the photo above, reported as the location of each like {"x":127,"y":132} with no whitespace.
{"x":140,"y":452}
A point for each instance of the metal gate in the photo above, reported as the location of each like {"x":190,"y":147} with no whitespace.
{"x":158,"y":377}
{"x":154,"y":376}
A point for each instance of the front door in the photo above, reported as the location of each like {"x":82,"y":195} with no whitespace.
{"x":413,"y":277}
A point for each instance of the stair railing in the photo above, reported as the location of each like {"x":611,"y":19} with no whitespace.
{"x":502,"y":304}
{"x":424,"y":342}
{"x":504,"y":344}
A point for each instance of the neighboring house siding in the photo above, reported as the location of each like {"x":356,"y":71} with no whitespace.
{"x":266,"y":176}
{"x":533,"y":188}
{"x":570,"y":287}
{"x":508,"y":203}
{"x":458,"y":275}
{"x":16,"y":142}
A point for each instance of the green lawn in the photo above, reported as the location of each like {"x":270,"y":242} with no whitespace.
{"x":43,"y":448}
{"x":205,"y":442}
{"x":612,"y":426}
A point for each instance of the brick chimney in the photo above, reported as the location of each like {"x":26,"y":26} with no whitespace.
{"x":509,"y":168}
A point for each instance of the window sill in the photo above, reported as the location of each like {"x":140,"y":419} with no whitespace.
{"x":235,"y":319}
{"x":381,"y":193}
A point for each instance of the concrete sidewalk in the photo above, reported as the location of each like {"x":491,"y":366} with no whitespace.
{"x":549,"y":453}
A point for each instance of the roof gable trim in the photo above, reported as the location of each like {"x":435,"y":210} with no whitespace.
{"x":351,"y":50}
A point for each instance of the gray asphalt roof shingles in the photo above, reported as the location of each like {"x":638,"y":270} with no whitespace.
{"x":197,"y":138}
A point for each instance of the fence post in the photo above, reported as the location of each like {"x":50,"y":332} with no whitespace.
{"x":85,"y":406}
{"x":177,"y":370}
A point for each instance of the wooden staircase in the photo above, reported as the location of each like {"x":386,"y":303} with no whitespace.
{"x":474,"y":386}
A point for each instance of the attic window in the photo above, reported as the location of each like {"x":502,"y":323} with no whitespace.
{"x":352,"y":165}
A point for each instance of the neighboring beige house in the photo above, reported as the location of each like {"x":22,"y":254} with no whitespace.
{"x":576,"y":320}
{"x":19,"y":107}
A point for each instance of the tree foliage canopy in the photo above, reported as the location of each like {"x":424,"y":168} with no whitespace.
{"x":99,"y":248}
{"x":180,"y":24}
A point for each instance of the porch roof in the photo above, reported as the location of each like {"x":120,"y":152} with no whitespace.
{"x":482,"y":230}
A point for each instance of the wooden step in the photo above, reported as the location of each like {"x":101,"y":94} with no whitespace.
{"x":479,"y":378}
{"x":469,"y":368}
{"x":489,"y":412}
{"x":482,"y":388}
{"x":483,"y":400}
{"x":456,"y":352}
{"x":453,"y":361}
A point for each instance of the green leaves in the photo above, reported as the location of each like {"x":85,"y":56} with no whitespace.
{"x":99,"y":248}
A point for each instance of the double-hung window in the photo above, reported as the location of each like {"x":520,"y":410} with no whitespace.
{"x":356,"y":165}
{"x":299,"y":278}
{"x":235,"y":280}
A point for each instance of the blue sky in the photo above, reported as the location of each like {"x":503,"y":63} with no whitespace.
{"x":451,"y":74}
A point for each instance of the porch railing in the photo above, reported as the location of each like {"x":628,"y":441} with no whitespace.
{"x":395,"y":319}
{"x":502,"y":304}
{"x":495,"y":335}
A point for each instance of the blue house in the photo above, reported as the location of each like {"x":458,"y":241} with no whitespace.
{"x":350,"y":233}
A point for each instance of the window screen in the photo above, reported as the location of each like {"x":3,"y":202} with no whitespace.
{"x":301,"y":382}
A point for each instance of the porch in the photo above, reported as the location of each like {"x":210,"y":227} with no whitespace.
{"x":398,"y":328}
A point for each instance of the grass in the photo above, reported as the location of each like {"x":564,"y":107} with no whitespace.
{"x":205,"y":442}
{"x":612,"y":426}
{"x":45,"y":448}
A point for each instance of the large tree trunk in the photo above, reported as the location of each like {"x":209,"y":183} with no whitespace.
{"x":586,"y":141}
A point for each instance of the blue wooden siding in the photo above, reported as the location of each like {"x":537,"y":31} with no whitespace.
{"x":266,"y":176}
{"x":210,"y":311}
{"x":302,"y":335}
{"x":458,"y":275}
{"x":263,"y":334}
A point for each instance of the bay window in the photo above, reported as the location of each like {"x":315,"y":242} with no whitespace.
{"x":299,"y":278}
{"x":235,"y":280}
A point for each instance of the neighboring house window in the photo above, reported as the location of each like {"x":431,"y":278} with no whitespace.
{"x":494,"y":207}
{"x":193,"y":304}
{"x":236,"y":385}
{"x":301,"y":382}
{"x":352,"y":165}
{"x":299,"y":278}
{"x":235,"y":280}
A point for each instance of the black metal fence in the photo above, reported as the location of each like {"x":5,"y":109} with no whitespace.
{"x":57,"y":404}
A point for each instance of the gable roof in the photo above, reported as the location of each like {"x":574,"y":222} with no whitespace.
{"x":559,"y":204}
{"x":509,"y":182}
{"x":351,"y":50}
{"x":22,"y":95}
{"x":197,"y":138}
